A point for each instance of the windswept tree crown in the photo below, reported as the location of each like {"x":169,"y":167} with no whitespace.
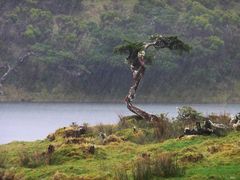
{"x":157,"y":41}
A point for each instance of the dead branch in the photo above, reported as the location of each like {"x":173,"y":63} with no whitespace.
{"x":21,"y":60}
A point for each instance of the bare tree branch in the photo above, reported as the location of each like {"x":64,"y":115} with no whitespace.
{"x":4,"y":76}
{"x":21,"y":60}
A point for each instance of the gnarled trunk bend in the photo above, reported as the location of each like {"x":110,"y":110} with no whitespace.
{"x":137,"y":77}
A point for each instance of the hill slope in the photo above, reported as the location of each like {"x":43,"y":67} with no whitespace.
{"x":74,"y":40}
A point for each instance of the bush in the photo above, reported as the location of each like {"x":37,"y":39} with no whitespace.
{"x":33,"y":160}
{"x":107,"y":129}
{"x":126,"y":121}
{"x":142,"y":169}
{"x":131,"y":121}
{"x":141,"y":137}
{"x":177,"y":128}
{"x":224,"y":118}
{"x":162,"y":127}
{"x":2,"y":161}
{"x":189,"y":115}
{"x":140,"y":131}
{"x":163,"y":165}
{"x":31,"y":32}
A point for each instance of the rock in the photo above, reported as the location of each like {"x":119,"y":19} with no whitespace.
{"x":145,"y":155}
{"x":188,"y":137}
{"x":51,"y":149}
{"x":134,"y":129}
{"x":74,"y":132}
{"x":91,"y":149}
{"x":102,"y":135}
{"x":236,"y":126}
{"x":51,"y":137}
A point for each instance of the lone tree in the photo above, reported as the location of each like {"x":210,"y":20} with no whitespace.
{"x":136,"y":58}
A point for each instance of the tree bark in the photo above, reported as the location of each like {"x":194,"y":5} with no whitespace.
{"x":137,"y":76}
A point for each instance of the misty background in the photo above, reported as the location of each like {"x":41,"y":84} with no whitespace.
{"x":74,"y":42}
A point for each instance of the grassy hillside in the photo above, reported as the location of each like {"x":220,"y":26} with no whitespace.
{"x":74,"y":41}
{"x":123,"y":154}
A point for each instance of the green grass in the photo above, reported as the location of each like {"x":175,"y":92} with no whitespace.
{"x":230,"y":171}
{"x":73,"y":160}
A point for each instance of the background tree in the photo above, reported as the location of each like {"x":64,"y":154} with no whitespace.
{"x":79,"y":35}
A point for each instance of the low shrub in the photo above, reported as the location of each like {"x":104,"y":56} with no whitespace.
{"x":189,"y":116}
{"x":162,"y":127}
{"x":142,"y":169}
{"x":34,"y":160}
{"x":121,"y":174}
{"x":224,"y":118}
{"x":131,"y":121}
{"x":141,"y":137}
{"x":177,"y":128}
{"x":163,"y":165}
{"x":2,"y":161}
{"x":107,"y":129}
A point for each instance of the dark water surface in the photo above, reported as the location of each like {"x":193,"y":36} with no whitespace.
{"x":31,"y":121}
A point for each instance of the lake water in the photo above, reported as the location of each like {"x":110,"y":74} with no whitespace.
{"x":31,"y":121}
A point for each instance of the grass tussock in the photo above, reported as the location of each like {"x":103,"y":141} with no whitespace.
{"x":11,"y":174}
{"x":121,"y":174}
{"x":2,"y":161}
{"x":224,"y":118}
{"x":34,"y":159}
{"x":146,"y":168}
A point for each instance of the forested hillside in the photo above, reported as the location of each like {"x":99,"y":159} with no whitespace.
{"x":73,"y":43}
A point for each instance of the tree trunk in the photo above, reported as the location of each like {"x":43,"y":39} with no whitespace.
{"x":137,"y":76}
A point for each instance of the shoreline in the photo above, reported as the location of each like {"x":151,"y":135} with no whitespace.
{"x":115,"y":101}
